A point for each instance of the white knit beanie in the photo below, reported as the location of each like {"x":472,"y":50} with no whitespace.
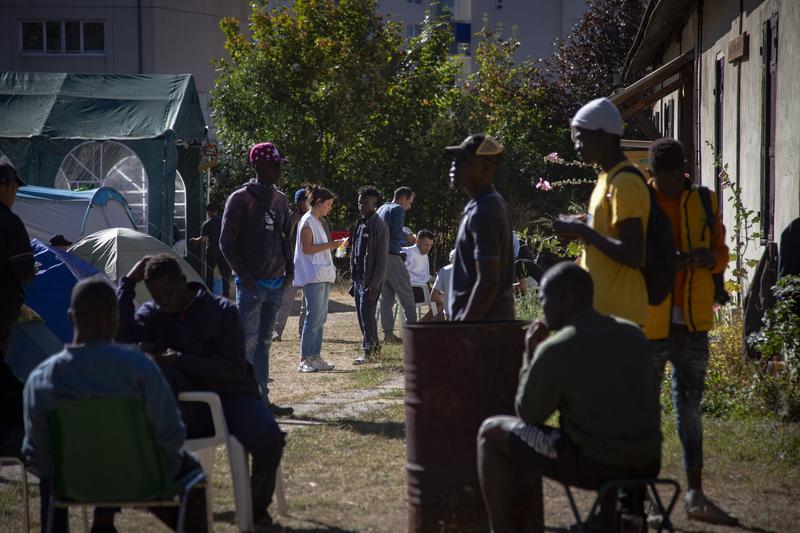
{"x":599,"y":114}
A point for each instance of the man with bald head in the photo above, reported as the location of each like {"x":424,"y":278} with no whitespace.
{"x":596,"y":371}
{"x":93,"y":366}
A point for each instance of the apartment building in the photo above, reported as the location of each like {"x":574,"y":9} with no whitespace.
{"x":117,"y":37}
{"x":538,"y":23}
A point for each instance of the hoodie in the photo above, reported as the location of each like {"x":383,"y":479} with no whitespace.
{"x":208,"y":335}
{"x":256,"y":228}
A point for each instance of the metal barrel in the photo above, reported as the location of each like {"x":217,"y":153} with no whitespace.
{"x":457,"y":375}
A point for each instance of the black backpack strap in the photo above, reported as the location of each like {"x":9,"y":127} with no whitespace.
{"x":705,"y":199}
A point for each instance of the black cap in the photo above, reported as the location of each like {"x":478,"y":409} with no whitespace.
{"x":8,"y":174}
{"x":59,"y":240}
{"x":479,"y":144}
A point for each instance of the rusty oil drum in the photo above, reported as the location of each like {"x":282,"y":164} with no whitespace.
{"x":457,"y":374}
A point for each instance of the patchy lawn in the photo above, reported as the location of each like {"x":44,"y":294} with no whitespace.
{"x":344,"y":465}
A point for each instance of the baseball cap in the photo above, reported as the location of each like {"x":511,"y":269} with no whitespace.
{"x":299,"y":194}
{"x":266,"y":151}
{"x":8,"y":174}
{"x":599,"y":114}
{"x":479,"y":144}
{"x":59,"y":240}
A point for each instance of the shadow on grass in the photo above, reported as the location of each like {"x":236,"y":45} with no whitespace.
{"x":387,"y":429}
{"x":316,"y":527}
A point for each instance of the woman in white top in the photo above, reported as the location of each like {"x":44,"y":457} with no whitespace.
{"x":314,"y":271}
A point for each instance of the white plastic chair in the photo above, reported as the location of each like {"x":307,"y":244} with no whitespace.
{"x":237,"y":459}
{"x":426,"y":302}
{"x":14,"y":461}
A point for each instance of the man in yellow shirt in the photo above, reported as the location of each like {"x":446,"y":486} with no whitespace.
{"x":613,"y":230}
{"x":678,"y":328}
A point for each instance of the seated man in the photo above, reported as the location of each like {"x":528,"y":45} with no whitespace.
{"x":92,"y":366}
{"x":197,"y":340}
{"x":597,"y":372}
{"x":442,"y":284}
{"x":416,"y":259}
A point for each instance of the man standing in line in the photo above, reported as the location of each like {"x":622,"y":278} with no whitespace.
{"x":290,"y":292}
{"x":16,"y":269}
{"x":482,"y":283}
{"x":256,"y":226}
{"x":368,"y":269}
{"x":397,"y":280}
{"x":209,"y":234}
{"x":614,"y":229}
{"x":678,"y":328}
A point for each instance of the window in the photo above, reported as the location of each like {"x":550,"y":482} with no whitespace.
{"x":413,"y":30}
{"x":414,"y":1}
{"x":62,"y":37}
{"x":462,"y":33}
{"x":499,"y":4}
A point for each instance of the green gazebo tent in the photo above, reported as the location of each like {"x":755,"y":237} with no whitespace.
{"x":56,"y":128}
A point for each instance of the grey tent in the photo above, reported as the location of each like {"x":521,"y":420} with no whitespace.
{"x":135,"y":133}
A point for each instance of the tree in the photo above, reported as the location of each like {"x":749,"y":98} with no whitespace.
{"x":585,"y":65}
{"x":341,"y":94}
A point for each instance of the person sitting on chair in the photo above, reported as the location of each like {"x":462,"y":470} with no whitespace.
{"x":198,"y":341}
{"x":597,"y":372}
{"x":92,"y":366}
{"x":442,"y":285}
{"x":419,"y":268}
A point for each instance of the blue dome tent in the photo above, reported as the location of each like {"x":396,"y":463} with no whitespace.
{"x":50,"y":291}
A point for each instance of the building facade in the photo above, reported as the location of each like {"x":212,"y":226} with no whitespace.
{"x":723,"y":78}
{"x":117,"y":37}
{"x":537,"y":23}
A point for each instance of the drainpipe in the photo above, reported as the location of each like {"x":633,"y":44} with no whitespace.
{"x":139,"y":33}
{"x":739,"y":260}
{"x":698,"y":96}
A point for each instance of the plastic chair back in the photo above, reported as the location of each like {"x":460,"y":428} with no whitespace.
{"x":104,"y":451}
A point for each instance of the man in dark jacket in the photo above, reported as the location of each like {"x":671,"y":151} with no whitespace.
{"x":196,"y":338}
{"x":368,"y":260}
{"x":209,"y":235}
{"x":256,"y":228}
{"x":16,"y":269}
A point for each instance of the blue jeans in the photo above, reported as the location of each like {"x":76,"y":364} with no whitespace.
{"x":365,"y":310}
{"x":315,"y":296}
{"x":688,"y":354}
{"x":258,"y":308}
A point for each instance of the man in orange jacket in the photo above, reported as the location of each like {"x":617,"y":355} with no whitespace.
{"x":678,"y":328}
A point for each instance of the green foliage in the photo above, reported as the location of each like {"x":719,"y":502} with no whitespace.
{"x":779,"y":336}
{"x":334,"y":86}
{"x":744,"y":220}
{"x":528,"y":306}
{"x":745,"y":389}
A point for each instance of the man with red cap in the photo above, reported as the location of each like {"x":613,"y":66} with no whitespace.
{"x":256,"y":226}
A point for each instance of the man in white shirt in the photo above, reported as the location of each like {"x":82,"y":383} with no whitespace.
{"x":419,"y":269}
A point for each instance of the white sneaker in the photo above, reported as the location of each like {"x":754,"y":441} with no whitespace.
{"x":306,"y":366}
{"x":321,"y":364}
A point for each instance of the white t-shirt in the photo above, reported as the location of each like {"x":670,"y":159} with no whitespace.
{"x":417,"y":264}
{"x":312,"y":268}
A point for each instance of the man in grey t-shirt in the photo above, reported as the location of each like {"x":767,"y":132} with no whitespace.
{"x":481,"y":287}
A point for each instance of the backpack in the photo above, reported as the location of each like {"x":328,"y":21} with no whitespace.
{"x":660,"y":260}
{"x":721,"y":295}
